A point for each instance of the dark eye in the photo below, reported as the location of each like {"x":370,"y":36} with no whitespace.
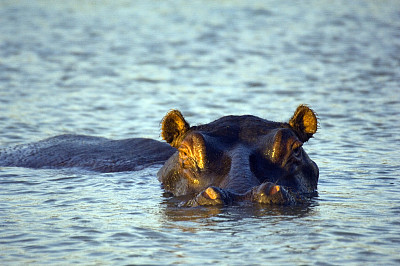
{"x":296,"y":148}
{"x":183,"y":154}
{"x":184,"y":157}
{"x":192,"y":152}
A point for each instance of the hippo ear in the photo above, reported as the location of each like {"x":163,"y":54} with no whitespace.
{"x":304,"y":122}
{"x":174,"y":128}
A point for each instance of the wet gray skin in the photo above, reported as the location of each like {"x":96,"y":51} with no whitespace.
{"x":240,"y":158}
{"x":233,"y":159}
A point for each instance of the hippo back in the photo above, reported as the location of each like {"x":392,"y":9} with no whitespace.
{"x":92,"y":153}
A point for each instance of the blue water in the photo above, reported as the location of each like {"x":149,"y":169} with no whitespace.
{"x":114,"y":68}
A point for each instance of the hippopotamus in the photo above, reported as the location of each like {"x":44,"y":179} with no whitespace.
{"x":232,"y":159}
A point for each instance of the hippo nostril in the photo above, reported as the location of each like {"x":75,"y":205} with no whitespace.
{"x":274,"y":189}
{"x":211,"y":193}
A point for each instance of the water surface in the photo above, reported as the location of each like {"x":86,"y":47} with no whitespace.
{"x":114,"y":68}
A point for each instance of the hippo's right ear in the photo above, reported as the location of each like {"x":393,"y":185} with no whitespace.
{"x":173,"y":128}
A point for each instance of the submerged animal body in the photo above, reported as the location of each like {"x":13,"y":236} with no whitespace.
{"x":232,"y":159}
{"x":87,"y":152}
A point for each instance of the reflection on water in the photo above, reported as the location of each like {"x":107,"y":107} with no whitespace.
{"x":173,"y":212}
{"x":114,"y":68}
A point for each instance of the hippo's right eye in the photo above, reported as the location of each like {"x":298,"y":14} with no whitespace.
{"x":183,"y":153}
{"x":185,"y":159}
{"x":192,"y":152}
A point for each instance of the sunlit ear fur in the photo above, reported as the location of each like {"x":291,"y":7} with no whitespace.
{"x":174,"y":128}
{"x":305,"y":122}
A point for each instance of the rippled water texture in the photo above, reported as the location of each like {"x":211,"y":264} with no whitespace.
{"x":114,"y":68}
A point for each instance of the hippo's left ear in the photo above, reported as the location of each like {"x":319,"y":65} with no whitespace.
{"x":304,"y":122}
{"x":174,"y":128}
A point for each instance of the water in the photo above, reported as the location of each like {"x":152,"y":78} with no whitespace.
{"x":114,"y":68}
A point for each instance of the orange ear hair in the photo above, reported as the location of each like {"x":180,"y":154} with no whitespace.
{"x":305,"y":122}
{"x":174,"y":128}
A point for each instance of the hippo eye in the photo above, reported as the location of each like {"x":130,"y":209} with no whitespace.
{"x":184,"y":157}
{"x":296,"y":148}
{"x":192,"y":152}
{"x":183,"y":153}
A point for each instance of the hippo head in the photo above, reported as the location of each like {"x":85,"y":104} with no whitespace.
{"x":240,"y":157}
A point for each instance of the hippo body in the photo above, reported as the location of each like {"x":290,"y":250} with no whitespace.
{"x":233,"y":159}
{"x":87,"y":152}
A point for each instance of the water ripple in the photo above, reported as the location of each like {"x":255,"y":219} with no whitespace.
{"x":115,"y":69}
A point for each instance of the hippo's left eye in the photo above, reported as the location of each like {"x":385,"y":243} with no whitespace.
{"x":296,"y":148}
